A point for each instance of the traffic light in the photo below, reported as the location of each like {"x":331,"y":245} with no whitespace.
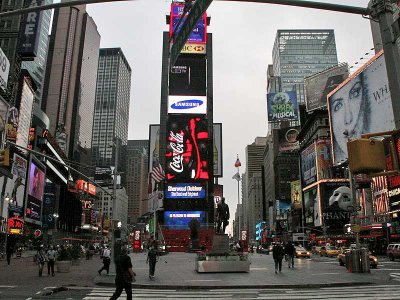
{"x":5,"y":157}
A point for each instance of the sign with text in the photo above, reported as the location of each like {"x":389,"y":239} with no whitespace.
{"x":181,"y":219}
{"x":282,"y":106}
{"x":187,"y":105}
{"x":4,"y":70}
{"x":185,"y":191}
{"x":30,"y":31}
{"x":194,"y":49}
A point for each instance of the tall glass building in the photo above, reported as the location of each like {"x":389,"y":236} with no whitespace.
{"x":301,"y":53}
{"x":111,"y":111}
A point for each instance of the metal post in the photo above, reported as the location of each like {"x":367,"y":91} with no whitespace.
{"x":240,"y":209}
{"x":114,"y":208}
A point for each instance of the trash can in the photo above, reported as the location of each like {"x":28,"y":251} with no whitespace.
{"x":355,"y":260}
{"x":347,"y":260}
{"x":364,"y":261}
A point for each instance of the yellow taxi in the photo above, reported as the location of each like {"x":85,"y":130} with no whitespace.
{"x":329,"y":251}
{"x":301,"y":252}
{"x":373,"y":260}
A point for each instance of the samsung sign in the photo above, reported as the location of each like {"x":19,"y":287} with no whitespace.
{"x":30,"y":32}
{"x":185,"y":191}
{"x":187,"y":105}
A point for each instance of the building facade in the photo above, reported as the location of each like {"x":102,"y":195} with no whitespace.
{"x":105,"y":204}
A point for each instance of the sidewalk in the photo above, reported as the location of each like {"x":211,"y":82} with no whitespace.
{"x":177,"y":271}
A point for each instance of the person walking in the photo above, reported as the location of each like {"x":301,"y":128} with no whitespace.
{"x":51,"y":258}
{"x":290,"y":251}
{"x":125,"y":276}
{"x":9,"y":251}
{"x":106,"y":260}
{"x":41,"y":259}
{"x":277,"y":253}
{"x":152,"y":258}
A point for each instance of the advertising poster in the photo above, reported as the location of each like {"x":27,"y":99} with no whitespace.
{"x":310,"y":197}
{"x":187,"y":105}
{"x":282,"y":106}
{"x":324,"y":159}
{"x":394,"y":193}
{"x":282,"y":207}
{"x":361,"y":104}
{"x":154,"y":146}
{"x":33,"y":207}
{"x":4,"y":70}
{"x":288,"y":139}
{"x":3,"y":114}
{"x":12,"y":124}
{"x":337,"y":204}
{"x":188,"y":77}
{"x":218,"y":193}
{"x":49,"y":204}
{"x":295,"y":192}
{"x":217,"y":150}
{"x":380,"y":195}
{"x":194,"y":190}
{"x":308,"y":166}
{"x":186,"y":152}
{"x":181,"y":219}
{"x":319,"y":85}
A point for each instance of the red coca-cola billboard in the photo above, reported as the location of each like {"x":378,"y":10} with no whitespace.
{"x":186,"y":153}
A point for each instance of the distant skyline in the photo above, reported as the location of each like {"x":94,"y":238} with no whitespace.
{"x":243,"y":37}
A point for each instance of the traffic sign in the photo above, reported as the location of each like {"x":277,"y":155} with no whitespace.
{"x":37,"y":233}
{"x":197,"y":11}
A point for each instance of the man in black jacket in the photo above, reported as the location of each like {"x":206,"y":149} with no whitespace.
{"x":290,"y":251}
{"x":124,"y":277}
{"x":277,"y":253}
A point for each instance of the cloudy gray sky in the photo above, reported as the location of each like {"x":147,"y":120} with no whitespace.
{"x":243,"y":37}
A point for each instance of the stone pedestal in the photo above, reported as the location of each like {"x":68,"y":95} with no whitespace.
{"x":220,"y":244}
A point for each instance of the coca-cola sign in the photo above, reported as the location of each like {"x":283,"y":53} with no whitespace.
{"x":186,"y":154}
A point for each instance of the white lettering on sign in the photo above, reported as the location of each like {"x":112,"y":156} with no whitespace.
{"x":176,"y":143}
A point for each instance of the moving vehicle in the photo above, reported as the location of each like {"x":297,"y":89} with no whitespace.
{"x":329,"y":251}
{"x":373,"y":260}
{"x":393,"y":251}
{"x":301,"y":252}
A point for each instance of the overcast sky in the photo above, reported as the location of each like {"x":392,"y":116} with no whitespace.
{"x":243,"y":37}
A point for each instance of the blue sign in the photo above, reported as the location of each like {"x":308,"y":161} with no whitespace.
{"x":187,"y":104}
{"x":259,"y":229}
{"x":181,"y":219}
{"x":198,"y":33}
{"x":282,"y":106}
{"x":185,"y":191}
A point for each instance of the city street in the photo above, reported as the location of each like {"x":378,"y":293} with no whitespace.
{"x":176,"y":278}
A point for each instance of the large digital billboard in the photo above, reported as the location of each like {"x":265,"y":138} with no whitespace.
{"x":310,"y":199}
{"x":308,"y":166}
{"x":319,"y":85}
{"x":288,"y":139}
{"x":361,"y":104}
{"x":217,"y":150}
{"x":187,"y":105}
{"x":380,"y":195}
{"x":181,"y":219}
{"x":282,"y":106}
{"x":188,"y":76}
{"x":33,"y":209}
{"x":324,"y":159}
{"x":194,"y":190}
{"x":394,"y":193}
{"x":186,"y":152}
{"x":49,"y":204}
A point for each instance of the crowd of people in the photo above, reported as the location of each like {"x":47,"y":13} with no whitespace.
{"x":279,"y":252}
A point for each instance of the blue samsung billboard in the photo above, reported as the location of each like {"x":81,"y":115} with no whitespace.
{"x":181,"y":219}
{"x":185,"y":191}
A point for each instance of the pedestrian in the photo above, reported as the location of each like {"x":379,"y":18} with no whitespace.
{"x":51,"y":258}
{"x":289,"y":252}
{"x":125,"y":275}
{"x":9,"y":251}
{"x":152,"y":258}
{"x":106,"y":261}
{"x":277,"y":253}
{"x":41,"y":259}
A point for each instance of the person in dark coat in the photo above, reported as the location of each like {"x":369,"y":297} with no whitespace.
{"x":125,"y":276}
{"x":277,"y":253}
{"x":290,"y":251}
{"x":152,"y":257}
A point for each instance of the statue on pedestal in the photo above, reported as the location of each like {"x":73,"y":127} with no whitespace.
{"x":222,"y":216}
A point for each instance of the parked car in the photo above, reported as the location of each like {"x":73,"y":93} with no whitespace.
{"x":301,"y":252}
{"x":393,"y":251}
{"x":329,"y":251}
{"x":373,"y":260}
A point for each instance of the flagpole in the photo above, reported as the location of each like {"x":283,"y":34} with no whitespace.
{"x":237,"y":165}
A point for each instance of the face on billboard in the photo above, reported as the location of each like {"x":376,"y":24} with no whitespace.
{"x":338,"y":203}
{"x":188,"y":77}
{"x":186,"y":153}
{"x":36,"y":182}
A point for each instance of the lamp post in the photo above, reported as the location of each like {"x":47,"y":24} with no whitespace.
{"x":114,"y":205}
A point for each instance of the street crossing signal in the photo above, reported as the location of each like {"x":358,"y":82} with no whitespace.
{"x":5,"y":157}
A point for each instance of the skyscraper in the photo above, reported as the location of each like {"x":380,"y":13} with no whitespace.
{"x":299,"y":53}
{"x":111,"y":113}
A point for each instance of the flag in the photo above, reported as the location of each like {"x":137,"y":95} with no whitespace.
{"x":237,"y":163}
{"x":157,"y":173}
{"x":236,"y":176}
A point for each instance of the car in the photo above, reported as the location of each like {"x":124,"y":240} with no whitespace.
{"x":263,"y":250}
{"x":301,"y":252}
{"x":373,"y":260}
{"x":329,"y":251}
{"x":393,"y":251}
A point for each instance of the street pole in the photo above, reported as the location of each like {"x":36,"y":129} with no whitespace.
{"x":240,"y":208}
{"x":114,"y":208}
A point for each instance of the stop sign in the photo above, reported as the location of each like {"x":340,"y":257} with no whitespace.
{"x":37,"y":233}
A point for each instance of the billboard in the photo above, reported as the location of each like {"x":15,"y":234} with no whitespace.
{"x":308,"y":165}
{"x":337,"y":204}
{"x":217,"y":150}
{"x":380,"y":195}
{"x":103,"y":175}
{"x":323,"y":150}
{"x":3,"y":113}
{"x":310,"y":200}
{"x":218,"y":193}
{"x":287,"y":138}
{"x":186,"y":152}
{"x":361,"y":104}
{"x":319,"y":85}
{"x":4,"y":70}
{"x":36,"y":182}
{"x":49,"y":204}
{"x":282,"y":106}
{"x":30,"y":31}
{"x":187,"y":105}
{"x":181,"y":219}
{"x":154,"y":146}
{"x":394,"y":193}
{"x":295,"y":192}
{"x":188,"y":77}
{"x":194,"y":190}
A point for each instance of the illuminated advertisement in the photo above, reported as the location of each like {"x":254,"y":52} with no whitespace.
{"x":324,"y":159}
{"x":394,"y":192}
{"x":217,"y":149}
{"x":185,"y":191}
{"x":199,"y":33}
{"x":318,"y":86}
{"x":188,"y":77}
{"x":260,"y":227}
{"x":187,"y":105}
{"x":295,"y":192}
{"x":186,"y":154}
{"x":84,"y":186}
{"x":49,"y":203}
{"x":154,"y":146}
{"x":15,"y":225}
{"x":288,"y":139}
{"x":338,"y":205}
{"x":282,"y":106}
{"x":194,"y":49}
{"x":361,"y":104}
{"x":181,"y":219}
{"x":218,"y":193}
{"x":308,"y":166}
{"x":310,"y":199}
{"x":36,"y":182}
{"x":380,"y":195}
